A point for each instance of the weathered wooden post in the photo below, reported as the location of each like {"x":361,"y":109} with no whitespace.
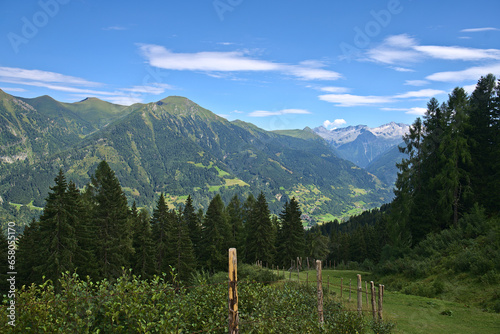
{"x":320,"y":292}
{"x":360,"y":295}
{"x":374,"y":309}
{"x":366,"y":291}
{"x":350,"y":289}
{"x":341,"y":287}
{"x":233,"y":292}
{"x":380,"y":301}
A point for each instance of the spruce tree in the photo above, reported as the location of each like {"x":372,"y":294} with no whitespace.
{"x":260,"y":241}
{"x":234,"y":212}
{"x":29,"y":255}
{"x":291,"y":238}
{"x":143,"y":258}
{"x":193,"y":224}
{"x":161,"y":225}
{"x":215,"y":236}
{"x":183,"y":258}
{"x":57,"y":232}
{"x":483,"y":133}
{"x":110,"y":217}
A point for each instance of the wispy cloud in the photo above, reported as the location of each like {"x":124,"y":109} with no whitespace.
{"x":472,"y":73}
{"x":116,"y":28}
{"x":13,"y":89}
{"x":405,"y":49}
{"x":14,"y":75}
{"x":154,"y":89}
{"x":416,"y":82}
{"x":420,"y":93}
{"x":233,"y":61}
{"x":265,"y":113}
{"x":331,"y":89}
{"x":349,"y":100}
{"x":411,"y":111}
{"x":480,"y":29}
{"x":77,"y":86}
{"x":335,"y":124}
{"x":402,"y":69}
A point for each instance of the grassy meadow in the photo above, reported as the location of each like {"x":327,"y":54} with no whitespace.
{"x":411,"y":314}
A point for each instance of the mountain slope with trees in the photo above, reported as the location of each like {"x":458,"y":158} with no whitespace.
{"x":178,"y":148}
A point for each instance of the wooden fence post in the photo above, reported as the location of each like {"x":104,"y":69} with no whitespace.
{"x":320,"y":292}
{"x":233,"y":292}
{"x":307,"y":278}
{"x":380,"y":301}
{"x":350,"y":289}
{"x":360,"y":295}
{"x":366,"y":291}
{"x":374,"y":310}
{"x":341,"y":287}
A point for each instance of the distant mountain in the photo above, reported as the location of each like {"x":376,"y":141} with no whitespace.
{"x":384,"y":165}
{"x":361,"y":144}
{"x":176,"y":147}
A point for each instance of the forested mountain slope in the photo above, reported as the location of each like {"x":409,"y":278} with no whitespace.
{"x":179,"y":148}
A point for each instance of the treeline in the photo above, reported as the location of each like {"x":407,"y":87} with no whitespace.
{"x":94,"y":232}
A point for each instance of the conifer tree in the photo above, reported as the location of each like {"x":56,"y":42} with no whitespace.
{"x":260,"y":241}
{"x":183,"y":258}
{"x":215,"y":236}
{"x":85,"y":262}
{"x":142,"y":260}
{"x":483,"y":132}
{"x":291,"y":238}
{"x":57,"y":232}
{"x":110,"y":217}
{"x":193,"y":224}
{"x":161,"y":223}
{"x":234,"y":212}
{"x":29,"y":255}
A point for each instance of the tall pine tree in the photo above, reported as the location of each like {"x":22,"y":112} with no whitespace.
{"x":110,"y":219}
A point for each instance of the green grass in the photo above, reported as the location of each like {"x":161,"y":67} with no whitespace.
{"x":29,"y":206}
{"x":411,"y":314}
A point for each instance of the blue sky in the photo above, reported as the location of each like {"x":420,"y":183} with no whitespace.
{"x":280,"y":64}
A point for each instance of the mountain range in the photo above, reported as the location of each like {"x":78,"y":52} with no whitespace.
{"x":176,"y":147}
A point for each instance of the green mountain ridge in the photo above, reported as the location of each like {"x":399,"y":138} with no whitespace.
{"x":176,"y":147}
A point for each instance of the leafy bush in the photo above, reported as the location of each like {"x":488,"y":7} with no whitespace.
{"x":131,"y":305}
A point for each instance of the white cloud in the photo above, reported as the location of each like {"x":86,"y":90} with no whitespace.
{"x":458,"y":53}
{"x":13,"y":89}
{"x":480,"y":29}
{"x":402,"y":69}
{"x":13,"y":75}
{"x":472,"y":73}
{"x":265,"y":113}
{"x":420,"y":93}
{"x":333,"y":125}
{"x":469,"y":88}
{"x":413,"y":111}
{"x":395,"y":49}
{"x":405,"y":49}
{"x":417,"y":111}
{"x":233,"y":61}
{"x":331,"y":89}
{"x":155,"y":89}
{"x":416,"y":82}
{"x":348,"y":100}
